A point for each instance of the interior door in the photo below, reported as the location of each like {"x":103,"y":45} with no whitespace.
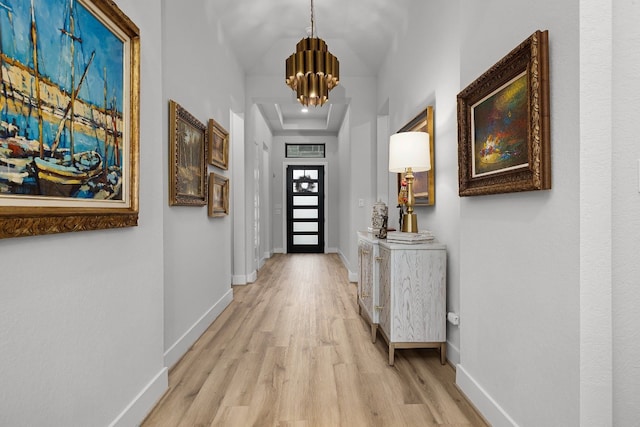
{"x":305,"y":209}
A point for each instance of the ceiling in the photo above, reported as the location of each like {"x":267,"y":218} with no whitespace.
{"x":262,"y":34}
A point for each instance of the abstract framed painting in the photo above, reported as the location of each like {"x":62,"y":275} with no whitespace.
{"x":424,"y":183}
{"x":503,"y":124}
{"x":69,"y":117}
{"x":187,"y":158}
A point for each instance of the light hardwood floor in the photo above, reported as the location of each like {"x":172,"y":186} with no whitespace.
{"x":291,"y":350}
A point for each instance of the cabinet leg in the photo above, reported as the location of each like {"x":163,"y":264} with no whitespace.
{"x":374,"y":332}
{"x":443,"y":353}
{"x":391,"y":354}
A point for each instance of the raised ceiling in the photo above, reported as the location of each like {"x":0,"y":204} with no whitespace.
{"x":263,"y":33}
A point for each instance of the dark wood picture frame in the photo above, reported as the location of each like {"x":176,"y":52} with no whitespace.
{"x":218,"y":195}
{"x":218,"y":145}
{"x":424,"y":183}
{"x":187,"y":158}
{"x":88,"y":201}
{"x":503,"y":124}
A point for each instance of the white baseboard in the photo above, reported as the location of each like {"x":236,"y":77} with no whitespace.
{"x":239,"y":279}
{"x":331,"y":250}
{"x":182,"y":345}
{"x":265,"y":256}
{"x":144,"y":402}
{"x":487,"y":406}
{"x":353,"y":277}
{"x":279,"y":251}
{"x":252,"y":277}
{"x":453,"y":354}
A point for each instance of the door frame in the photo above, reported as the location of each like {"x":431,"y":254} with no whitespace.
{"x":305,"y":162}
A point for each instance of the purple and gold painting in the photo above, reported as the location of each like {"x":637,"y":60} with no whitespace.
{"x":500,"y":129}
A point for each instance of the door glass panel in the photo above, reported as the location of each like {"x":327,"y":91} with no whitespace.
{"x":305,"y":213}
{"x":305,"y":239}
{"x":305,"y":200}
{"x":313,"y":174}
{"x":305,"y":187}
{"x":310,"y":173}
{"x":305,"y":226}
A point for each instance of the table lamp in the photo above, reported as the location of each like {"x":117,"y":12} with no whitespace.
{"x":408,"y":153}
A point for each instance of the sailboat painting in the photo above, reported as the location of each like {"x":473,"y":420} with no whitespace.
{"x":61,"y":102}
{"x":69,"y":107}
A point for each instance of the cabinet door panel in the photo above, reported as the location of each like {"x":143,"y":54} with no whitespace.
{"x":384,"y":297}
{"x":418,"y":296}
{"x":366,"y":257}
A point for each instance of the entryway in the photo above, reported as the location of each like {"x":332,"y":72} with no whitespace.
{"x":305,"y":209}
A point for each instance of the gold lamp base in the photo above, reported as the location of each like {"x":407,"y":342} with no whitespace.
{"x":410,"y":223}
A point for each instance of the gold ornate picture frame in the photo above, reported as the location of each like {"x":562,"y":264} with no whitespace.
{"x":424,"y":183}
{"x":503,"y":124}
{"x":218,"y":145}
{"x":218,"y":195}
{"x":69,"y":156}
{"x":187,"y":158}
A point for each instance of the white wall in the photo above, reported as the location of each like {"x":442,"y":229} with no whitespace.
{"x":626,"y":221}
{"x":202,"y":75}
{"x":360,"y":170}
{"x":81,"y":313}
{"x":519,"y":260}
{"x":345,"y":207}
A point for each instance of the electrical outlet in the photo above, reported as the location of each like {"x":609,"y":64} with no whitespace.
{"x":453,"y":318}
{"x":361,"y":203}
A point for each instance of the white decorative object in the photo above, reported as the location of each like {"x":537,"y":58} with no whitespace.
{"x":379,"y":218}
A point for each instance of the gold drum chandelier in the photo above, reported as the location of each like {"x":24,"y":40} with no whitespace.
{"x":312,"y":71}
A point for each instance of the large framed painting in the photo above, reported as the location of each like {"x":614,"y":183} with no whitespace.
{"x":424,"y":183}
{"x":69,"y":117}
{"x":187,"y":158}
{"x":503,"y":124}
{"x":218,"y":195}
{"x":218,"y":145}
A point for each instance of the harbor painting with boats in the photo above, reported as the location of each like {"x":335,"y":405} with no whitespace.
{"x":62,"y":79}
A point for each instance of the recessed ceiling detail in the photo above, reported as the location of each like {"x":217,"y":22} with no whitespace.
{"x":284,"y":117}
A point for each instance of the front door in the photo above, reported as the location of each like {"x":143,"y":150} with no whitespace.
{"x":305,"y":209}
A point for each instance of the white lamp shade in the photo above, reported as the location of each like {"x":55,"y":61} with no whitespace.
{"x":409,"y":150}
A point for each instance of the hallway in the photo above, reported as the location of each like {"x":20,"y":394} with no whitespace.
{"x":291,"y":350}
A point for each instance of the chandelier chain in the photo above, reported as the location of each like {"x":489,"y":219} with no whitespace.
{"x":312,"y":21}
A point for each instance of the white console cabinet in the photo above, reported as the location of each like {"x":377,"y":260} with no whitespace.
{"x":402,"y":289}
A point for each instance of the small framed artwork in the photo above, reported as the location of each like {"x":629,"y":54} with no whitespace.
{"x":503,"y":124}
{"x":218,"y":195}
{"x":187,"y":155}
{"x":219,"y":145}
{"x":68,"y":158}
{"x":424,"y":183}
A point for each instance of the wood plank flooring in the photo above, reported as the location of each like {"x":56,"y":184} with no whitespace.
{"x":291,"y":350}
